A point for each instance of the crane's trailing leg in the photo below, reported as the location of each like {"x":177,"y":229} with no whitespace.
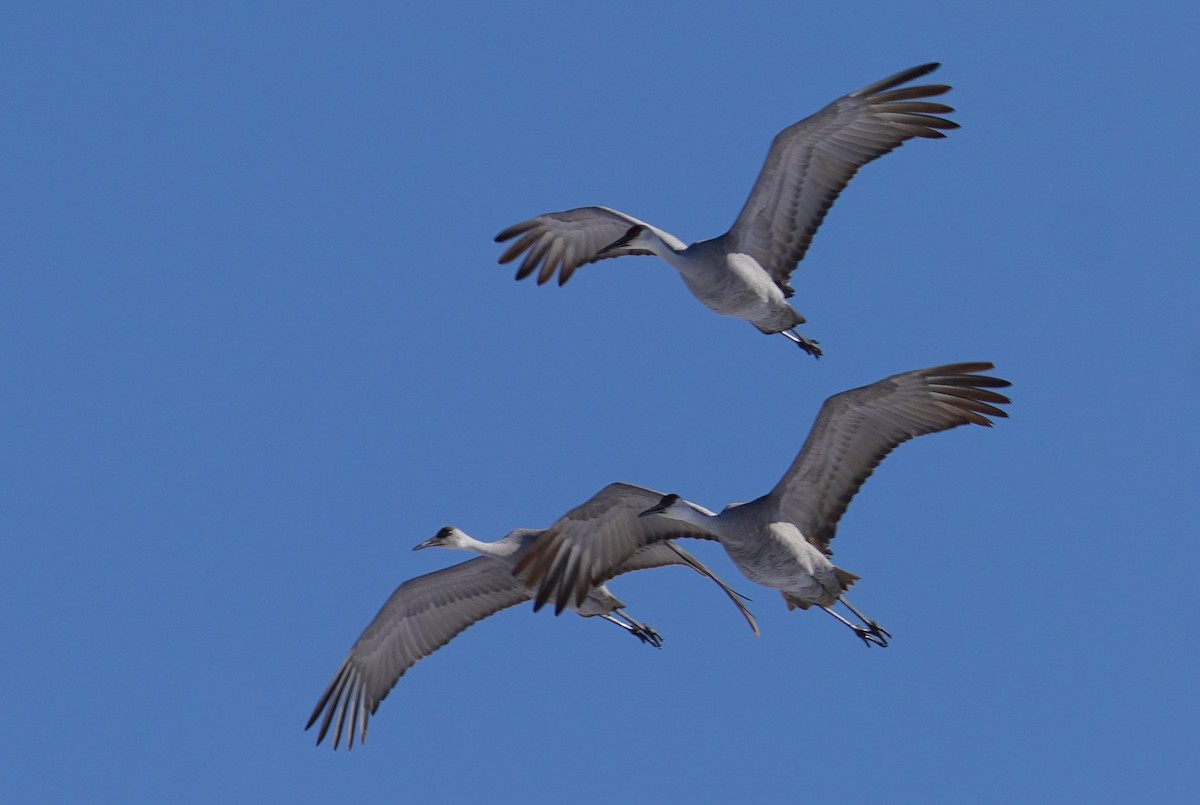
{"x":639,"y":630}
{"x":871,"y":634}
{"x":806,"y":344}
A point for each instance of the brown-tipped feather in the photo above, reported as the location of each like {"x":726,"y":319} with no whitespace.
{"x":530,"y":263}
{"x":521,"y":245}
{"x":513,"y":231}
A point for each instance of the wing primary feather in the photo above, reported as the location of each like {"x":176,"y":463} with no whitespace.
{"x":521,"y":245}
{"x":910,"y":94}
{"x":513,"y":231}
{"x":530,"y":263}
{"x":909,"y":107}
{"x":902,"y":77}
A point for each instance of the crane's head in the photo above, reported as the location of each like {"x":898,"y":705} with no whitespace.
{"x":638,"y":237}
{"x":447,"y":537}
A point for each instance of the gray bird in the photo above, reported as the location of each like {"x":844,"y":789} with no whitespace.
{"x":780,"y":540}
{"x":426,"y":612}
{"x":745,"y":272}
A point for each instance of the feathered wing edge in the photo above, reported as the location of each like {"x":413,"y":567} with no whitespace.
{"x":857,"y":429}
{"x":561,"y":242}
{"x":421,"y":615}
{"x":810,"y":162}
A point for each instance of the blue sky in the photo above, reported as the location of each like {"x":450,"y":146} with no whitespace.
{"x":257,"y":347}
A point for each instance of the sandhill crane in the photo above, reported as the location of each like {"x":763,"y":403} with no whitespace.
{"x":780,"y":540}
{"x":745,"y":272}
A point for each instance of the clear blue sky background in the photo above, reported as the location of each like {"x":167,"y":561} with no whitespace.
{"x":256,"y":347}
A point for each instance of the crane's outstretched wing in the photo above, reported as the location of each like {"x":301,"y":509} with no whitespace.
{"x":421,"y":616}
{"x":589,"y":544}
{"x":427,"y":612}
{"x":810,"y":162}
{"x":856,"y":429}
{"x":563,"y":241}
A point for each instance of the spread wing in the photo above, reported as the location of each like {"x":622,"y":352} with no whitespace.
{"x":856,"y":429}
{"x":427,"y":612}
{"x":589,"y":544}
{"x":810,"y":162}
{"x":563,"y":241}
{"x":422,"y":615}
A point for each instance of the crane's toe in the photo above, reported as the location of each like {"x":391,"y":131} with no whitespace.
{"x":647,"y":635}
{"x":809,"y":345}
{"x":874,"y":636}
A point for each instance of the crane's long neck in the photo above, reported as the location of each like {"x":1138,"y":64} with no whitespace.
{"x":675,"y":257}
{"x":501,"y":549}
{"x":687,"y":512}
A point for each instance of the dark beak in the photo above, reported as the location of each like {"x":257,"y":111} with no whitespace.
{"x":429,"y":543}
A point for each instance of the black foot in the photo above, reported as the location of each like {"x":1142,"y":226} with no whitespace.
{"x":647,"y":635}
{"x":810,"y":346}
{"x":876,"y":635}
{"x":807,"y":344}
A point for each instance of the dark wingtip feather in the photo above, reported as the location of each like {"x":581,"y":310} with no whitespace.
{"x":513,"y":231}
{"x":581,"y":591}
{"x":973,"y":392}
{"x":514,"y":251}
{"x":909,"y":94}
{"x":902,"y":77}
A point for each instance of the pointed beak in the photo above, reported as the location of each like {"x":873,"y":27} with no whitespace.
{"x":652,"y":510}
{"x":429,"y":543}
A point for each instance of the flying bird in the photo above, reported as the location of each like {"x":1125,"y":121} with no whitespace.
{"x":427,"y":612}
{"x":746,"y":271}
{"x":782,"y":539}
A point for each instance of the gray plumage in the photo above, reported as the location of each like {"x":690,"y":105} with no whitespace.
{"x":782,"y":539}
{"x":746,"y":271}
{"x":426,"y":612}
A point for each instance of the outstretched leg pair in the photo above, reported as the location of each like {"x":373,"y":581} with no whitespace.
{"x":639,"y":630}
{"x":871,"y":632}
